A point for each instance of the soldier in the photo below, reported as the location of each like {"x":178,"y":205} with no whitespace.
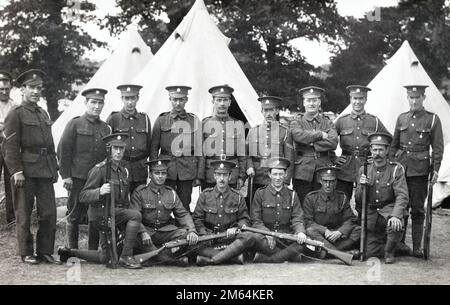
{"x":328,"y":215}
{"x":156,"y":202}
{"x":277,"y":208}
{"x":223,"y":138}
{"x":315,"y":139}
{"x":183,"y":171}
{"x":94,"y":193}
{"x":353,"y":129}
{"x":222,"y":209}
{"x":137,"y":126}
{"x":415,"y":131}
{"x":6,"y":104}
{"x":268,"y":140}
{"x":387,"y":198}
{"x":79,"y":150}
{"x":30,"y":156}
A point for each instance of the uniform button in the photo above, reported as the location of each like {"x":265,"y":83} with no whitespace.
{"x":357,"y":128}
{"x":377,"y":191}
{"x":221,"y":206}
{"x":267,"y":146}
{"x":278,"y":213}
{"x":222,"y":122}
{"x":278,"y":205}
{"x":409,"y":143}
{"x":356,"y":157}
{"x":376,"y":200}
{"x":159,"y":212}
{"x":103,"y":206}
{"x":223,"y":140}
{"x":414,"y":116}
{"x":378,"y":172}
{"x":387,"y":184}
{"x":378,"y":209}
{"x":132,"y":138}
{"x":357,"y":147}
{"x":220,"y":215}
{"x":267,"y":137}
{"x":412,"y":124}
{"x":131,"y":118}
{"x":218,"y":224}
{"x":378,"y":181}
{"x":357,"y":138}
{"x":278,"y":195}
{"x":359,"y":119}
{"x":407,"y":152}
{"x":132,"y":148}
{"x":159,"y":201}
{"x":131,"y":127}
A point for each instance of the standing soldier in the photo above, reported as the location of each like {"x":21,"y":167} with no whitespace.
{"x":315,"y":138}
{"x":181,"y":148}
{"x":277,"y":208}
{"x":6,"y":104}
{"x":137,"y":126}
{"x":223,"y":139}
{"x":415,"y":131}
{"x":80,"y":148}
{"x":353,"y":129}
{"x":328,"y":215}
{"x":387,"y":198}
{"x":157,"y":202}
{"x":94,"y":193}
{"x":30,"y":156}
{"x":221,"y":209}
{"x":268,"y":140}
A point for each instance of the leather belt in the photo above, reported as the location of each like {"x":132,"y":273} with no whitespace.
{"x":359,"y":153}
{"x":414,"y":148}
{"x":43,"y":151}
{"x":315,"y":154}
{"x":133,"y":159}
{"x":379,"y":205}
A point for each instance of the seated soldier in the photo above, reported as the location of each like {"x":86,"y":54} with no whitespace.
{"x":221,"y":209}
{"x":328,"y":215}
{"x":277,"y":208}
{"x":95,"y":191}
{"x":156,"y":202}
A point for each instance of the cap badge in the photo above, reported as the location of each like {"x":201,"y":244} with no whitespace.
{"x":97,"y":92}
{"x":221,"y":89}
{"x":358,"y":90}
{"x":128,"y":89}
{"x":159,"y":162}
{"x":329,"y":171}
{"x":119,"y":137}
{"x":221,"y":165}
{"x":267,"y":102}
{"x":178,"y":89}
{"x":379,"y":138}
{"x":311,"y":90}
{"x":414,"y":89}
{"x":34,"y":75}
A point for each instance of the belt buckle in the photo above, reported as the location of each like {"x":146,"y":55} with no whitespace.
{"x":43,"y":151}
{"x":223,"y":157}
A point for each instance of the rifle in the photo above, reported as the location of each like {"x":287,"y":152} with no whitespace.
{"x":251,"y":191}
{"x":342,"y":256}
{"x":176,"y":243}
{"x":428,"y":216}
{"x":363,"y":240}
{"x":110,"y":217}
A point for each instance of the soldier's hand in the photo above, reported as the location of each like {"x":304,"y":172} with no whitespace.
{"x":67,"y":183}
{"x":239,"y":183}
{"x":146,"y":239}
{"x":105,"y":189}
{"x":231,"y":232}
{"x":327,"y":233}
{"x":363,"y":179}
{"x":251,"y":172}
{"x":395,"y":223}
{"x":192,"y":238}
{"x":271,"y":242}
{"x":369,"y":159}
{"x":19,"y":179}
{"x":435,"y":177}
{"x":324,"y":135}
{"x":341,"y":160}
{"x":334,"y":236}
{"x":301,"y":238}
{"x":196,"y":182}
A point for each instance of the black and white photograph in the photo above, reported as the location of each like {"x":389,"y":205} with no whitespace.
{"x":224,"y":148}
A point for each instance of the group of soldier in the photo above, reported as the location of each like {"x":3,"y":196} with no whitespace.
{"x":99,"y":161}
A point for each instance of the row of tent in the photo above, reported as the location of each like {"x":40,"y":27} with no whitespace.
{"x":197,"y":55}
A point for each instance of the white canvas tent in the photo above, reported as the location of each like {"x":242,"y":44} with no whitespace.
{"x":387,"y":100}
{"x":196,"y":54}
{"x":127,"y":59}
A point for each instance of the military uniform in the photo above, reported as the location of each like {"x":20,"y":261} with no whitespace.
{"x":5,"y":107}
{"x":29,"y":149}
{"x":184,"y":164}
{"x":278,"y":211}
{"x":80,"y":148}
{"x":387,"y":196}
{"x":353,"y":130}
{"x":218,"y":211}
{"x":138,"y":127}
{"x":312,"y":151}
{"x":415,"y":132}
{"x":267,"y":140}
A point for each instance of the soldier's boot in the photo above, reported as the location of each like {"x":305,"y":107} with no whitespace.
{"x":288,"y":253}
{"x":204,"y":256}
{"x":87,"y":255}
{"x":417,"y":235}
{"x":234,"y":249}
{"x":262,"y":258}
{"x":72,"y":235}
{"x":389,"y":251}
{"x":126,"y":259}
{"x":403,"y":250}
{"x":93,"y":237}
{"x":166,"y":258}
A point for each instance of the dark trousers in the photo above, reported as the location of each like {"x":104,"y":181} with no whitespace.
{"x":247,"y":238}
{"x":346,"y":187}
{"x":183,"y":189}
{"x":161,"y":237}
{"x":417,"y":191}
{"x":42,"y":190}
{"x":76,"y":211}
{"x":344,"y":243}
{"x":135,"y":184}
{"x":303,"y":187}
{"x":380,"y":237}
{"x":8,"y":196}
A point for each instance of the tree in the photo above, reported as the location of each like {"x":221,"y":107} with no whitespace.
{"x":42,"y":34}
{"x":261,"y":33}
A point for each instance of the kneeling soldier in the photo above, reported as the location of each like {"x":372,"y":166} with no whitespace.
{"x":222,"y":209}
{"x":387,"y":199}
{"x":277,"y":208}
{"x":94,"y":192}
{"x":328,"y":215}
{"x":156,"y":202}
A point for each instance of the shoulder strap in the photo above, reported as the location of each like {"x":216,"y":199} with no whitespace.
{"x":376,"y":126}
{"x":433,"y":121}
{"x":292,"y":200}
{"x":174,"y":196}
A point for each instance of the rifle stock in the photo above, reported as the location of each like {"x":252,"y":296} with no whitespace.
{"x":428,"y":216}
{"x":342,"y":256}
{"x":110,"y":217}
{"x":363,"y":240}
{"x":178,"y":243}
